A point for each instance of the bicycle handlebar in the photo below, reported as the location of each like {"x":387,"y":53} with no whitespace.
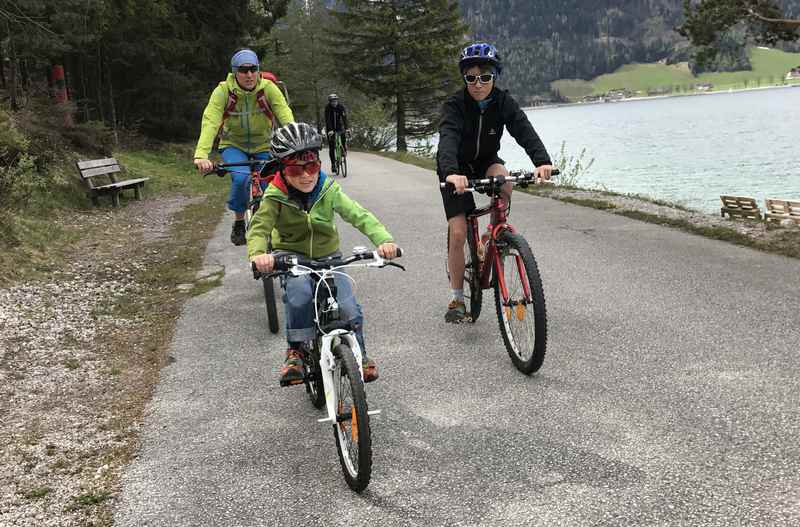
{"x":221,"y":169}
{"x":285,"y":262}
{"x":521,"y":177}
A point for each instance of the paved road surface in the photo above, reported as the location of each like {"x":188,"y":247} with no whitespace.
{"x":669,"y":395}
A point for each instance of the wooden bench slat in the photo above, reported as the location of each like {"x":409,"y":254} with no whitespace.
{"x":100,"y":171}
{"x":121,"y":184}
{"x":97,"y":163}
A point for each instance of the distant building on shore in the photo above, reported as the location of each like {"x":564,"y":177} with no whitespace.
{"x":794,"y":73}
{"x":703,"y":86}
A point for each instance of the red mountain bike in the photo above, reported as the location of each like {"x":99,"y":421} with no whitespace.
{"x":501,"y":258}
{"x":260,"y":173}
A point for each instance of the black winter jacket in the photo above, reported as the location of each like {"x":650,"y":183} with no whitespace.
{"x":335,"y":118}
{"x":469,"y":138}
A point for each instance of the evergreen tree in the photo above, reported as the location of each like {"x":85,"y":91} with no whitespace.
{"x":403,"y":51}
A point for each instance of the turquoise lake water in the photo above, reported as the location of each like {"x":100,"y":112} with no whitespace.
{"x":687,"y":150}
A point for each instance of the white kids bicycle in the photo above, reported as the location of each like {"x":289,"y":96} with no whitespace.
{"x":332,"y":361}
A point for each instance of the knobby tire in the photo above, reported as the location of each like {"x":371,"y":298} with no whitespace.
{"x":269,"y":301}
{"x":524,"y":327}
{"x":315,"y":388}
{"x":355,"y":448}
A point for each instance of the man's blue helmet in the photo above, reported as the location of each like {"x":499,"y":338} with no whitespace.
{"x":478,"y":54}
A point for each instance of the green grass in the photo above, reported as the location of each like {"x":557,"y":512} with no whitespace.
{"x":31,"y":243}
{"x":769,"y":68}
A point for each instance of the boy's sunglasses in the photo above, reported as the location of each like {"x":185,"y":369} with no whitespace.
{"x":247,"y":69}
{"x":485,"y":78}
{"x":305,"y":162}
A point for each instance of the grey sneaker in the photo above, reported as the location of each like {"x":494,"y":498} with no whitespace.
{"x":456,"y":312}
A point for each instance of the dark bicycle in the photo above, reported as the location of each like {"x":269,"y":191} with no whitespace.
{"x":260,"y":173}
{"x":502,"y":259}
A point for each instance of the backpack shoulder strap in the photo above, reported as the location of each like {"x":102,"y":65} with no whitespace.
{"x":229,"y":107}
{"x":263,"y":104}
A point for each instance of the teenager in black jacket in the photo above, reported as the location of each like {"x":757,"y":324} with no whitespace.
{"x":470,"y":129}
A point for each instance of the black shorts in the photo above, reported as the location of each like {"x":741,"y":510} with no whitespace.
{"x":455,"y":204}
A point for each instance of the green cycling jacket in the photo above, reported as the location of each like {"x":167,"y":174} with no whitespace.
{"x":246,"y":128}
{"x":311,"y":233}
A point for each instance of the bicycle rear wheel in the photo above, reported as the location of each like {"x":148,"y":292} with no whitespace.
{"x":269,"y":301}
{"x":314,"y":385}
{"x":351,"y":429}
{"x":522,"y":314}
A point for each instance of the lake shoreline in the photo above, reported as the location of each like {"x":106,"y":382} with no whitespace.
{"x":666,"y":96}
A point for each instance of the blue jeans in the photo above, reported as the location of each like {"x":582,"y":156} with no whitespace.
{"x":298,"y":301}
{"x":239,"y":196}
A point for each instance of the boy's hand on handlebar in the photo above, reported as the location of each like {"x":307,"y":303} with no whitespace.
{"x":459,"y":182}
{"x":387,"y":250}
{"x":544,"y":172}
{"x":264,"y":262}
{"x":203,"y":165}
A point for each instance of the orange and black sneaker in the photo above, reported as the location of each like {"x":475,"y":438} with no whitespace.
{"x":292,"y":370}
{"x":370,"y":369}
{"x":456,"y":312}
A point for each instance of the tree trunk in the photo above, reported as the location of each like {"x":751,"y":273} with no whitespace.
{"x":84,"y":89}
{"x":2,"y":66}
{"x":100,"y":111}
{"x":12,"y":73}
{"x":401,"y":124}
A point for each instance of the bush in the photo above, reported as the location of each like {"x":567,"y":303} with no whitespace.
{"x":371,"y":127}
{"x":571,"y":168}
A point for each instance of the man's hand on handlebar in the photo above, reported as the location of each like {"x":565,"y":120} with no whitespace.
{"x":387,"y":250}
{"x":203,"y":165}
{"x":459,"y":182}
{"x":264,"y":262}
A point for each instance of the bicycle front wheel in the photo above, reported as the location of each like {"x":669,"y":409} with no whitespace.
{"x":269,"y":301}
{"x":343,"y":166}
{"x":351,"y":429}
{"x":472,"y":278}
{"x":519,"y":298}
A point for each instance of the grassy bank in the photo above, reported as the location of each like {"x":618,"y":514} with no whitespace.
{"x":769,"y":69}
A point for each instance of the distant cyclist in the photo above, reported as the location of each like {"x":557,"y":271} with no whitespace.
{"x":242,"y":110}
{"x":335,"y":121}
{"x":470,"y":129}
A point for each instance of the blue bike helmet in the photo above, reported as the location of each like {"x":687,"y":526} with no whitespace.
{"x":480,"y":53}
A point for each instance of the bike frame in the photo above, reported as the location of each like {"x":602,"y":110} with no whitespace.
{"x":328,"y":340}
{"x":498,"y":222}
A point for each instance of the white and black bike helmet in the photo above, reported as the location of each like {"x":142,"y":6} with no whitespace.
{"x":294,"y":138}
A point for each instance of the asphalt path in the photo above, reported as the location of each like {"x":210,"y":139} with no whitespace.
{"x":669,"y":394}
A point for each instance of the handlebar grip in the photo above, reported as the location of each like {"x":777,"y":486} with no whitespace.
{"x":398,"y":252}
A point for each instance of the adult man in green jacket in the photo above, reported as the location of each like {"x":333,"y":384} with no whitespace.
{"x":242,"y":110}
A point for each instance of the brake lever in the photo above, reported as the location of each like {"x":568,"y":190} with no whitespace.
{"x":393,"y":264}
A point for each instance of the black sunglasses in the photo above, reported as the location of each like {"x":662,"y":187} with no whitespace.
{"x":247,"y":69}
{"x":485,"y":78}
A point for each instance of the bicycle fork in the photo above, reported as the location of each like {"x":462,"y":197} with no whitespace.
{"x":327,"y":365}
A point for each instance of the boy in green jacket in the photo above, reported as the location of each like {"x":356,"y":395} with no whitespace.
{"x":297,"y":213}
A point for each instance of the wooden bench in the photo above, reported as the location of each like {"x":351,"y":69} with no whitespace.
{"x":740,"y":207}
{"x":106,"y":170}
{"x":782,"y":209}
